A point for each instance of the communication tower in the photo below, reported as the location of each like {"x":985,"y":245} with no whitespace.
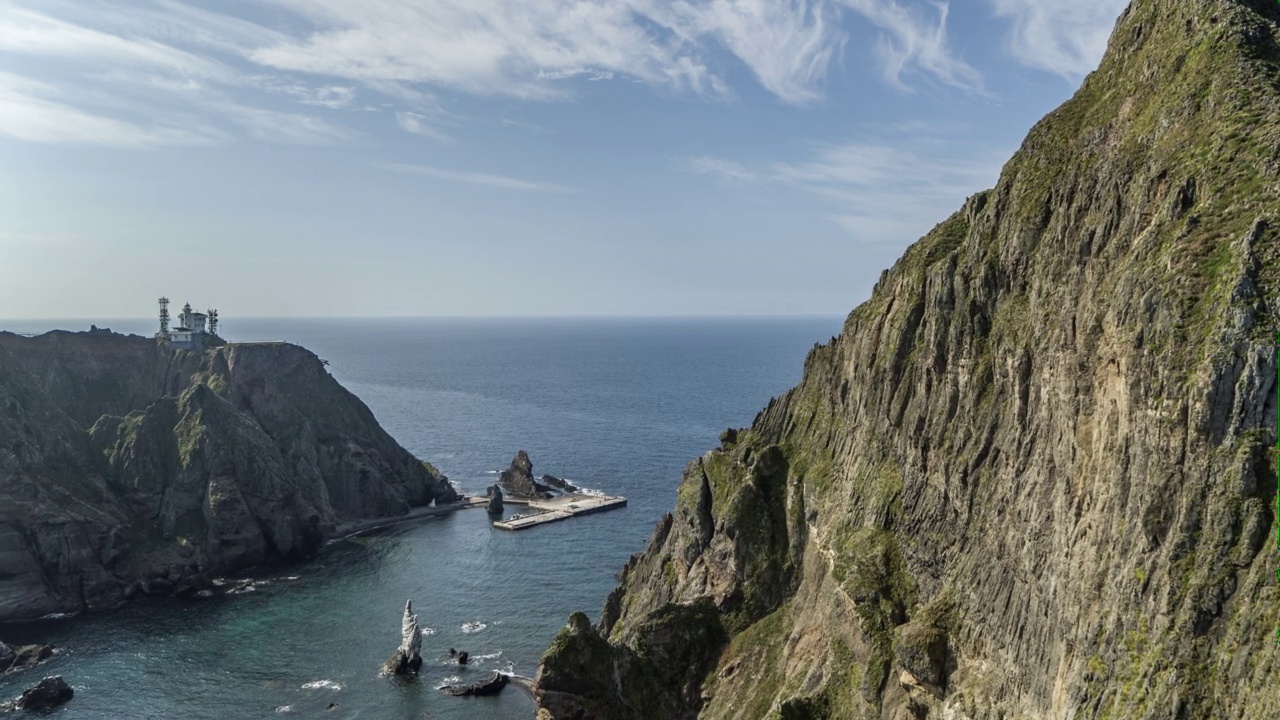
{"x":164,"y":316}
{"x":213,"y":321}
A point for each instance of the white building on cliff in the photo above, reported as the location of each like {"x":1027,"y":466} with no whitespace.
{"x":193,"y":330}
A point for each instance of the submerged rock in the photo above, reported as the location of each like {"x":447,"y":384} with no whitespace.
{"x":407,"y":659}
{"x":492,"y":686}
{"x":49,"y":693}
{"x":517,"y":480}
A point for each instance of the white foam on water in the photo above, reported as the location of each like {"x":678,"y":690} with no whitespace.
{"x":472,"y":628}
{"x":428,"y":632}
{"x":322,"y":685}
{"x":284,"y":709}
{"x":451,"y":680}
{"x":482,"y":658}
{"x":58,"y":616}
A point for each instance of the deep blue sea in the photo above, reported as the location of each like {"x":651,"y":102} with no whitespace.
{"x":618,"y":405}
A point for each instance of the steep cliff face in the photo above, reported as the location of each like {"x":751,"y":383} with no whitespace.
{"x":194,"y":463}
{"x":60,"y":538}
{"x":1035,"y":475}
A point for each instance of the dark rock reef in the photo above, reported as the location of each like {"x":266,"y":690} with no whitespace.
{"x":491,"y":686}
{"x":129,"y":467}
{"x":1034,"y":476}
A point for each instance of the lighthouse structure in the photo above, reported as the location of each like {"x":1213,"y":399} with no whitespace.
{"x":193,"y":330}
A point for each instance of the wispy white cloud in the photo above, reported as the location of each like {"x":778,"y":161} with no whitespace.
{"x":113,"y":77}
{"x":912,"y":41}
{"x":474,"y":178}
{"x":526,"y":48}
{"x":31,"y":33}
{"x":283,"y":127}
{"x":420,"y":124}
{"x":490,"y":47}
{"x":1067,"y":38}
{"x":393,"y":55}
{"x":887,"y":189}
{"x":892,"y":191}
{"x":728,"y":171}
{"x":32,"y":111}
{"x":787,"y":44}
{"x":331,"y":96}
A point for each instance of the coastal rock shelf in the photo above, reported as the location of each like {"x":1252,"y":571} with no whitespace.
{"x":557,"y":509}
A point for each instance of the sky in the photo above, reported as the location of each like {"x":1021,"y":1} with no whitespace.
{"x":504,"y":157}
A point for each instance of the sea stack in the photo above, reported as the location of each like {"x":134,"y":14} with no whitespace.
{"x":517,"y":480}
{"x":494,"y":493}
{"x":408,"y":658}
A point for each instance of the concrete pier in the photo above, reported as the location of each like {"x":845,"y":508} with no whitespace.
{"x":556,"y":509}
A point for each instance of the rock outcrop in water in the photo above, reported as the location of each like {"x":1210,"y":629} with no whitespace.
{"x":562,"y":485}
{"x":23,"y":656}
{"x":494,"y":493}
{"x":47,"y":694}
{"x":517,"y":480}
{"x":1034,"y":477}
{"x":123,"y":460}
{"x":407,"y":659}
{"x":492,"y":686}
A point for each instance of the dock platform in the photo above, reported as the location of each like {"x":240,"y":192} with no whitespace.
{"x":557,"y":509}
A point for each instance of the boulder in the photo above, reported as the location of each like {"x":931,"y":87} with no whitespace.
{"x":517,"y":480}
{"x":492,"y":686}
{"x":495,"y":500}
{"x":21,"y":657}
{"x":558,"y":484}
{"x":407,"y":659}
{"x":49,"y":693}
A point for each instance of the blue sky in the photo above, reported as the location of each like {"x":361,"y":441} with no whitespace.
{"x":503,"y":157}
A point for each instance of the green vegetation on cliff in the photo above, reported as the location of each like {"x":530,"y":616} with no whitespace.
{"x":1034,"y":476}
{"x":130,"y":460}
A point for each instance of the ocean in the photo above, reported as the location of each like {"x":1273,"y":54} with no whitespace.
{"x":616,"y":405}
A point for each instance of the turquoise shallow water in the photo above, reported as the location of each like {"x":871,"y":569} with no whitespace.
{"x":616,"y":405}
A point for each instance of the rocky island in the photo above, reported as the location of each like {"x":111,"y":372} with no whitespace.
{"x":130,"y":466}
{"x":518,"y":481}
{"x":1034,"y":476}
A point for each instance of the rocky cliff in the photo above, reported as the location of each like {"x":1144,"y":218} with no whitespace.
{"x":1034,"y":476}
{"x":123,"y":459}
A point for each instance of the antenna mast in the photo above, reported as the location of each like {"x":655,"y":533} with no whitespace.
{"x":213,"y":321}
{"x":164,"y":316}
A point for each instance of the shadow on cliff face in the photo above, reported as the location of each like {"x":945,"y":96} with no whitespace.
{"x":138,"y":466}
